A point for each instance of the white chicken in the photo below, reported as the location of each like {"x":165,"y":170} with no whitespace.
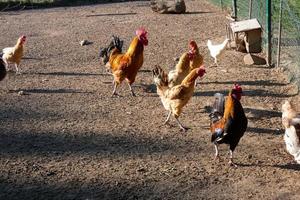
{"x":217,"y":50}
{"x":291,"y":123}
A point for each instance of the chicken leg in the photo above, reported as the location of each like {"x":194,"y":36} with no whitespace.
{"x":115,"y":88}
{"x":18,"y":71}
{"x":168,"y":118}
{"x":180,"y":125}
{"x":231,"y":163}
{"x":131,"y":90}
{"x":217,"y":151}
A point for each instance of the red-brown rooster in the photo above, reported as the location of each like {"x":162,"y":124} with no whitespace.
{"x":230,"y":127}
{"x":126,"y":66}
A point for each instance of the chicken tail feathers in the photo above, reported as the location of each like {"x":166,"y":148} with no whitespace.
{"x":117,"y":43}
{"x":219,"y":103}
{"x":160,"y":77}
{"x":217,"y":135}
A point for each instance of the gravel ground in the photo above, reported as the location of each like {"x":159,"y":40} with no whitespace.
{"x":66,"y":138}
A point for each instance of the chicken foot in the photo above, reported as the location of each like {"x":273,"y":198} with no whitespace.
{"x":231,"y":163}
{"x":180,"y":125}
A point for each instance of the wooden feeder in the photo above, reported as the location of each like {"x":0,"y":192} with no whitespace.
{"x":252,"y":30}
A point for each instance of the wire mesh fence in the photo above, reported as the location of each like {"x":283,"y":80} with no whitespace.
{"x":290,"y":42}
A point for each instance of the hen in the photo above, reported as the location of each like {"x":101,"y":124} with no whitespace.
{"x":230,"y":127}
{"x":175,"y":98}
{"x":14,"y":54}
{"x":187,"y":62}
{"x":126,"y":66}
{"x":291,"y":123}
{"x":216,"y":50}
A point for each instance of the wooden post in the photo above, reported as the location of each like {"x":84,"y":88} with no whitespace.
{"x":279,"y":35}
{"x":250,"y":9}
{"x":234,"y":7}
{"x":269,"y":31}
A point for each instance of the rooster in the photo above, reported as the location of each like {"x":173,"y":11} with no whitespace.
{"x":229,"y":127}
{"x":105,"y":52}
{"x":126,"y":65}
{"x":187,"y":62}
{"x":175,"y":98}
{"x":14,"y":54}
{"x":291,"y":123}
{"x":217,"y":50}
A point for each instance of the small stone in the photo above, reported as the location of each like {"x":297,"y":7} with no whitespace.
{"x":50,"y":173}
{"x":21,"y":93}
{"x":83,"y":42}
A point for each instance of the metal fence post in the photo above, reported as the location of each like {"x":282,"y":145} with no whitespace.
{"x":250,"y":9}
{"x":279,"y":36}
{"x":269,"y":31}
{"x":234,"y":7}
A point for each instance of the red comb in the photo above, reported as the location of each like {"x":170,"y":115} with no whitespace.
{"x":237,"y":87}
{"x":141,"y":31}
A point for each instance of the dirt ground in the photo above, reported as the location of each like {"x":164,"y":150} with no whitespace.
{"x":68,"y":139}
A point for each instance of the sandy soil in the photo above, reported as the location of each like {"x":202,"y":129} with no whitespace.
{"x":68,"y":139}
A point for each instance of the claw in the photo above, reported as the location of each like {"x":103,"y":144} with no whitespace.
{"x":232,"y":164}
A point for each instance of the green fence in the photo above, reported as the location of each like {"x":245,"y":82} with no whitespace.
{"x":290,"y":43}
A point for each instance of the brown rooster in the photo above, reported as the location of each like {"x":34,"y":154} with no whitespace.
{"x":126,"y":66}
{"x":175,"y":98}
{"x":14,"y":54}
{"x":230,"y":127}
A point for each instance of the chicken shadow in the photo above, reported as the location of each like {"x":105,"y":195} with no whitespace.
{"x":259,"y":130}
{"x":289,"y":166}
{"x":257,"y":113}
{"x":32,"y":58}
{"x":256,"y":82}
{"x":197,"y":12}
{"x":52,"y":91}
{"x":250,"y":93}
{"x":69,"y":74}
{"x":34,"y":188}
{"x":110,"y":14}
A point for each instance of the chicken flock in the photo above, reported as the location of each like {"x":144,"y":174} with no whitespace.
{"x":228,"y":121}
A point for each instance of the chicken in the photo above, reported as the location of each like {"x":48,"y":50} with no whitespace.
{"x":2,"y":70}
{"x":291,"y":123}
{"x":105,"y":52}
{"x":230,"y":127}
{"x":175,"y":98}
{"x":168,"y":6}
{"x":126,"y":66}
{"x":187,"y":62}
{"x":216,"y":50}
{"x":14,"y":54}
